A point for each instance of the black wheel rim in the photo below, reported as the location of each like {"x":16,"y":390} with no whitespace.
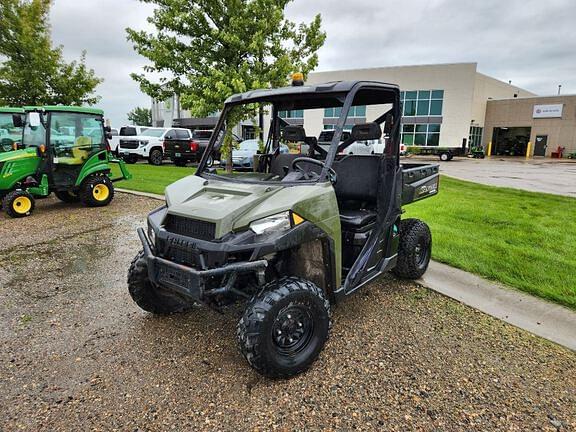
{"x":421,"y":252}
{"x":292,"y":329}
{"x":157,"y":158}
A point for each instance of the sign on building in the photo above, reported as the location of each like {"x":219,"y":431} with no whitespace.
{"x":548,"y":111}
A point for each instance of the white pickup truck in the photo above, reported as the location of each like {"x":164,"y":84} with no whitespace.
{"x":149,"y":144}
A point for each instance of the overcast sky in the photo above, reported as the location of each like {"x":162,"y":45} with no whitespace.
{"x":532,"y":43}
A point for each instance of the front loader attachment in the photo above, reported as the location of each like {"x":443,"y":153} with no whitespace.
{"x":123,"y":170}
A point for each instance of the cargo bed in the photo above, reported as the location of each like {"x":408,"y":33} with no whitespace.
{"x":419,"y":181}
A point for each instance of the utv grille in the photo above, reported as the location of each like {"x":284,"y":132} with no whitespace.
{"x":129,"y":144}
{"x":190,"y":227}
{"x":179,"y":251}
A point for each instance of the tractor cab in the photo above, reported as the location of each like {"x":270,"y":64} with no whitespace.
{"x":64,"y":150}
{"x":10,"y":134}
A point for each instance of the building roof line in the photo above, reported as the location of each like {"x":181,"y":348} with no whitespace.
{"x":395,"y":67}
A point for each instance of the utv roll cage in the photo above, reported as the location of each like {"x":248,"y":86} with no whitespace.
{"x":344,"y":94}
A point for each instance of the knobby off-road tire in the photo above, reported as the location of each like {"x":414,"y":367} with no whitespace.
{"x":18,"y":204}
{"x":97,"y":191}
{"x":146,"y":295}
{"x":67,"y":197}
{"x":414,"y":250}
{"x":155,"y":157}
{"x":285,"y":327}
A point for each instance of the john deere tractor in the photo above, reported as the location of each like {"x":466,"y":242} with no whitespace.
{"x":63,"y":150}
{"x":10,"y":135}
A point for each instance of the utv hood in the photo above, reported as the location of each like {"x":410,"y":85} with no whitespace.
{"x":233,"y":206}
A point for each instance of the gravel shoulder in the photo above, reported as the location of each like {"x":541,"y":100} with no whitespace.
{"x":77,"y":353}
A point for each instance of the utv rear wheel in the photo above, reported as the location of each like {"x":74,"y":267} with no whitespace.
{"x":97,"y":191}
{"x":18,"y":204}
{"x":146,"y":295}
{"x":155,"y":157}
{"x":414,"y":250}
{"x":285,"y":327}
{"x":67,"y":197}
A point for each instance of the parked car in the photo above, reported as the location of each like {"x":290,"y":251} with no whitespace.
{"x":243,"y":157}
{"x":151,"y":144}
{"x":181,"y":147}
{"x":125,"y":131}
{"x":378,"y":147}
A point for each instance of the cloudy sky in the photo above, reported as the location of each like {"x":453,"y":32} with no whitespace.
{"x":532,"y":43}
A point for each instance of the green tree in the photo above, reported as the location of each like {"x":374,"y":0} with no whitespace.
{"x":32,"y":72}
{"x":206,"y":50}
{"x":140,"y":116}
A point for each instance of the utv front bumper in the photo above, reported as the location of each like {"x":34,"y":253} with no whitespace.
{"x":189,"y":282}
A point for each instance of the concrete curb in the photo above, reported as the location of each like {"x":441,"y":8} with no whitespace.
{"x":144,"y":194}
{"x":544,"y":319}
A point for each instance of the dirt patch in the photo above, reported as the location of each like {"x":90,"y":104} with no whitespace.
{"x":78,"y":354}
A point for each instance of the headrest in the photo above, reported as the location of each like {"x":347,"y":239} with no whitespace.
{"x":294,"y":133}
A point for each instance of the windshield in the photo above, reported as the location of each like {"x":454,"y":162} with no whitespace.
{"x":153,"y":132}
{"x":306,"y":136}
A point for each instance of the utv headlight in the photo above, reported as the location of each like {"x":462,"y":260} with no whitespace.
{"x":278,"y":222}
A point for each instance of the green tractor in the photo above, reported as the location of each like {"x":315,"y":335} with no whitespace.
{"x":63,"y":150}
{"x":10,"y":135}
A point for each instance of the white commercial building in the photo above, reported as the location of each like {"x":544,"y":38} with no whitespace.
{"x":443,"y":105}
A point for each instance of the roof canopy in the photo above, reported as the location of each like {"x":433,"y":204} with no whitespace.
{"x":325,"y":95}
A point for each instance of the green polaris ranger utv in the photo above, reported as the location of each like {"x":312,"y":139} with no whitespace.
{"x":10,"y":135}
{"x":296,"y":236}
{"x":63,"y":150}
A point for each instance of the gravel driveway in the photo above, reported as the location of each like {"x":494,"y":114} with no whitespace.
{"x":77,"y":354}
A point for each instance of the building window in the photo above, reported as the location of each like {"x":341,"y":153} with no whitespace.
{"x":294,"y":114}
{"x":347,"y":127}
{"x":475,"y":139}
{"x":355,"y":112}
{"x":427,"y":135}
{"x":422,"y":103}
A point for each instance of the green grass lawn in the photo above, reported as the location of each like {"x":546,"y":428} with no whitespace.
{"x":523,"y":239}
{"x":150,"y":178}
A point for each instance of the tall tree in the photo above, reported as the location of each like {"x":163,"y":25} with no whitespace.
{"x":206,"y":50}
{"x":32,"y":72}
{"x":140,"y":116}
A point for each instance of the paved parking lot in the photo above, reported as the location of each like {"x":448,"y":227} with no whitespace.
{"x":77,"y":354}
{"x":537,"y":175}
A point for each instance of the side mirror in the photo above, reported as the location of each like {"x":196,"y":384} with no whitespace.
{"x":366,"y":131}
{"x":108,"y":135}
{"x":17,"y":120}
{"x":107,"y":129}
{"x":34,"y":119}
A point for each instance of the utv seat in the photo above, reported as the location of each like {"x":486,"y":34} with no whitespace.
{"x":354,"y":219}
{"x":357,"y":183}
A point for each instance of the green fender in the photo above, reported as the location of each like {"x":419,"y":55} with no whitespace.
{"x":94,"y":164}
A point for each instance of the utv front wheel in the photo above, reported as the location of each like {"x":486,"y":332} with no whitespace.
{"x":67,"y":197}
{"x":284,"y":328}
{"x":146,"y":295}
{"x":97,"y":191}
{"x":18,"y":204}
{"x":414,"y":250}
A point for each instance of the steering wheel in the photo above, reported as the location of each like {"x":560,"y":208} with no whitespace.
{"x":331,"y":173}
